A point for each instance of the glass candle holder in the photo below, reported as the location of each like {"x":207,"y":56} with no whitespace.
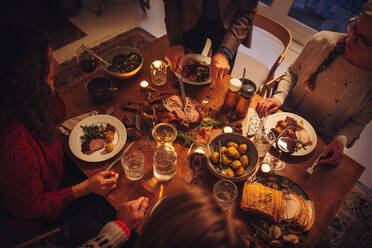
{"x":158,"y":71}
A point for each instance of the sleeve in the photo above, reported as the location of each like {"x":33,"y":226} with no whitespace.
{"x":289,"y":80}
{"x":114,"y":234}
{"x":21,"y":184}
{"x":355,"y":125}
{"x":173,"y":21}
{"x":241,"y":26}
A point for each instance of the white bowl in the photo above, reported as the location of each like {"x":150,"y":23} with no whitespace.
{"x":110,"y":53}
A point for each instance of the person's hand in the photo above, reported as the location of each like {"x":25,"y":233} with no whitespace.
{"x":132,"y":212}
{"x":174,"y":57}
{"x":268,"y":106}
{"x":219,"y":67}
{"x":102,"y":182}
{"x":333,"y":153}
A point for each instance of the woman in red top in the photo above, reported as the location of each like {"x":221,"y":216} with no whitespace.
{"x":31,"y":157}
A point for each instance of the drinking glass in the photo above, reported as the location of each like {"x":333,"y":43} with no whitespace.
{"x":87,"y":62}
{"x":196,"y":160}
{"x":145,"y":123}
{"x":158,"y":72}
{"x":263,"y":140}
{"x":133,"y":165}
{"x":225,"y":193}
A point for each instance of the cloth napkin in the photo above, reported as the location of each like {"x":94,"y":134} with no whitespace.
{"x":66,"y":126}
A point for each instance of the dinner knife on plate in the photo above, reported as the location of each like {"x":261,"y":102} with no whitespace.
{"x":119,"y":157}
{"x":183,"y":94}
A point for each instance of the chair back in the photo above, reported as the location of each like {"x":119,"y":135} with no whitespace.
{"x":279,"y":31}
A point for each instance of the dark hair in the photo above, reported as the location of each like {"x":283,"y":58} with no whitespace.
{"x":337,"y":50}
{"x":189,"y":218}
{"x":24,"y":67}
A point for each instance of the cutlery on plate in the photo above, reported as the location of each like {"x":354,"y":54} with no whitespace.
{"x":310,"y":170}
{"x":207,"y":96}
{"x":119,"y":157}
{"x":183,"y":94}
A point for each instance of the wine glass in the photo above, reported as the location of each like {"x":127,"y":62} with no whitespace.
{"x":196,"y":160}
{"x":145,"y":122}
{"x":284,"y":144}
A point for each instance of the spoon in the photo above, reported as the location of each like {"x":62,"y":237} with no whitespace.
{"x":286,"y":144}
{"x":95,"y":55}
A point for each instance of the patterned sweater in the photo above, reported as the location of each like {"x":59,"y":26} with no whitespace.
{"x":31,"y":172}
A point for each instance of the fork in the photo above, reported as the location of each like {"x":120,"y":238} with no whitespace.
{"x":207,"y":96}
{"x":310,"y":170}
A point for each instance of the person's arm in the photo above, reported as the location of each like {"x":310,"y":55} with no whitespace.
{"x":240,"y":28}
{"x":173,"y":21}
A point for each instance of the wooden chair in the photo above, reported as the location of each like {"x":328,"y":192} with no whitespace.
{"x":263,"y":74}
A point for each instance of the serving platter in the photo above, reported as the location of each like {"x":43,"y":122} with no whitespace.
{"x":273,"y":119}
{"x":120,"y":138}
{"x":261,"y":225}
{"x":200,"y":58}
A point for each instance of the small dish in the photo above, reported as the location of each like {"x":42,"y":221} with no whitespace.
{"x":101,"y":89}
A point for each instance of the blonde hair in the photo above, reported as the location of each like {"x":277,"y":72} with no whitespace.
{"x":189,"y":218}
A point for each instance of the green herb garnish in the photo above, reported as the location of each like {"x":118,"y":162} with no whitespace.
{"x":92,"y":132}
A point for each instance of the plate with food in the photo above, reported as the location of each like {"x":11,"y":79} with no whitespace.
{"x":281,"y":211}
{"x":97,"y":138}
{"x":195,"y":69}
{"x":235,"y":159}
{"x":302,"y":132}
{"x":125,"y":61}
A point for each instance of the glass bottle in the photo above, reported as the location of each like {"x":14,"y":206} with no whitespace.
{"x":246,"y":93}
{"x":232,"y":95}
{"x":165,"y":155}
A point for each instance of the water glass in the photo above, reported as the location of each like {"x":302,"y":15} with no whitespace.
{"x":263,"y":141}
{"x":165,"y":162}
{"x":225,"y":193}
{"x":158,"y":72}
{"x":133,"y":164}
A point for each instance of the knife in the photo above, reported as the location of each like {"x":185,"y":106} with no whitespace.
{"x":183,"y":95}
{"x":119,"y":157}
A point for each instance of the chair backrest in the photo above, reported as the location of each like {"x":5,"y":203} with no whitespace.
{"x":279,"y":31}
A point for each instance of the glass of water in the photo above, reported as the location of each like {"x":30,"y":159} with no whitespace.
{"x":263,"y":140}
{"x":133,"y":164}
{"x":225,"y":193}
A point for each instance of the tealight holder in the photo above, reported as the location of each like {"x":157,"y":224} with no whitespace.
{"x":144,"y":85}
{"x":158,"y":71}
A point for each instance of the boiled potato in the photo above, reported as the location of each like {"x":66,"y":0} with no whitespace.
{"x":226,"y":160}
{"x":231,"y":143}
{"x":239,"y":171}
{"x":109,"y":147}
{"x":223,"y":149}
{"x":236,"y":164}
{"x":242,"y":148}
{"x":229,"y":172}
{"x":215,"y":157}
{"x":232,"y":151}
{"x":244,"y":160}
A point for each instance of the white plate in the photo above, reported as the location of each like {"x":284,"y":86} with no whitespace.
{"x":273,"y":119}
{"x":200,"y":58}
{"x":120,"y":137}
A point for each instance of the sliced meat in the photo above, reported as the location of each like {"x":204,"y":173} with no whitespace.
{"x":93,"y":145}
{"x":191,"y":112}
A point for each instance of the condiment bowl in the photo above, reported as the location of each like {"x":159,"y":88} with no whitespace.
{"x":239,"y":139}
{"x":101,"y":89}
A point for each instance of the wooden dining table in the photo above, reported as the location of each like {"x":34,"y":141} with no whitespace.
{"x":328,"y":186}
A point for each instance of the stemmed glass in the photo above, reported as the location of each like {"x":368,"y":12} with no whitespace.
{"x":196,"y":160}
{"x":284,"y":144}
{"x":145,"y":122}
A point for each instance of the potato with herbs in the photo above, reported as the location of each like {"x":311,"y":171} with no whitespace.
{"x":242,"y":148}
{"x":231,"y":143}
{"x":226,"y":160}
{"x":215,"y":157}
{"x":233,"y":152}
{"x":229,"y":172}
{"x":239,"y":172}
{"x":244,"y":160}
{"x":236,"y":164}
{"x":223,"y":149}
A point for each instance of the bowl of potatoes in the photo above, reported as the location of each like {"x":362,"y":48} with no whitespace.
{"x":238,"y":160}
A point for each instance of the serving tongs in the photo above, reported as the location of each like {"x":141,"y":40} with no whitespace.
{"x":88,"y":50}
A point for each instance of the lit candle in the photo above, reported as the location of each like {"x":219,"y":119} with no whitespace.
{"x":200,"y":150}
{"x":265,"y":168}
{"x":157,"y":64}
{"x":158,"y":72}
{"x":144,"y":85}
{"x":227,"y":129}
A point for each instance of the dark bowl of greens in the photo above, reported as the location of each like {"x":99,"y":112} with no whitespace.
{"x":101,"y":89}
{"x":125,"y":61}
